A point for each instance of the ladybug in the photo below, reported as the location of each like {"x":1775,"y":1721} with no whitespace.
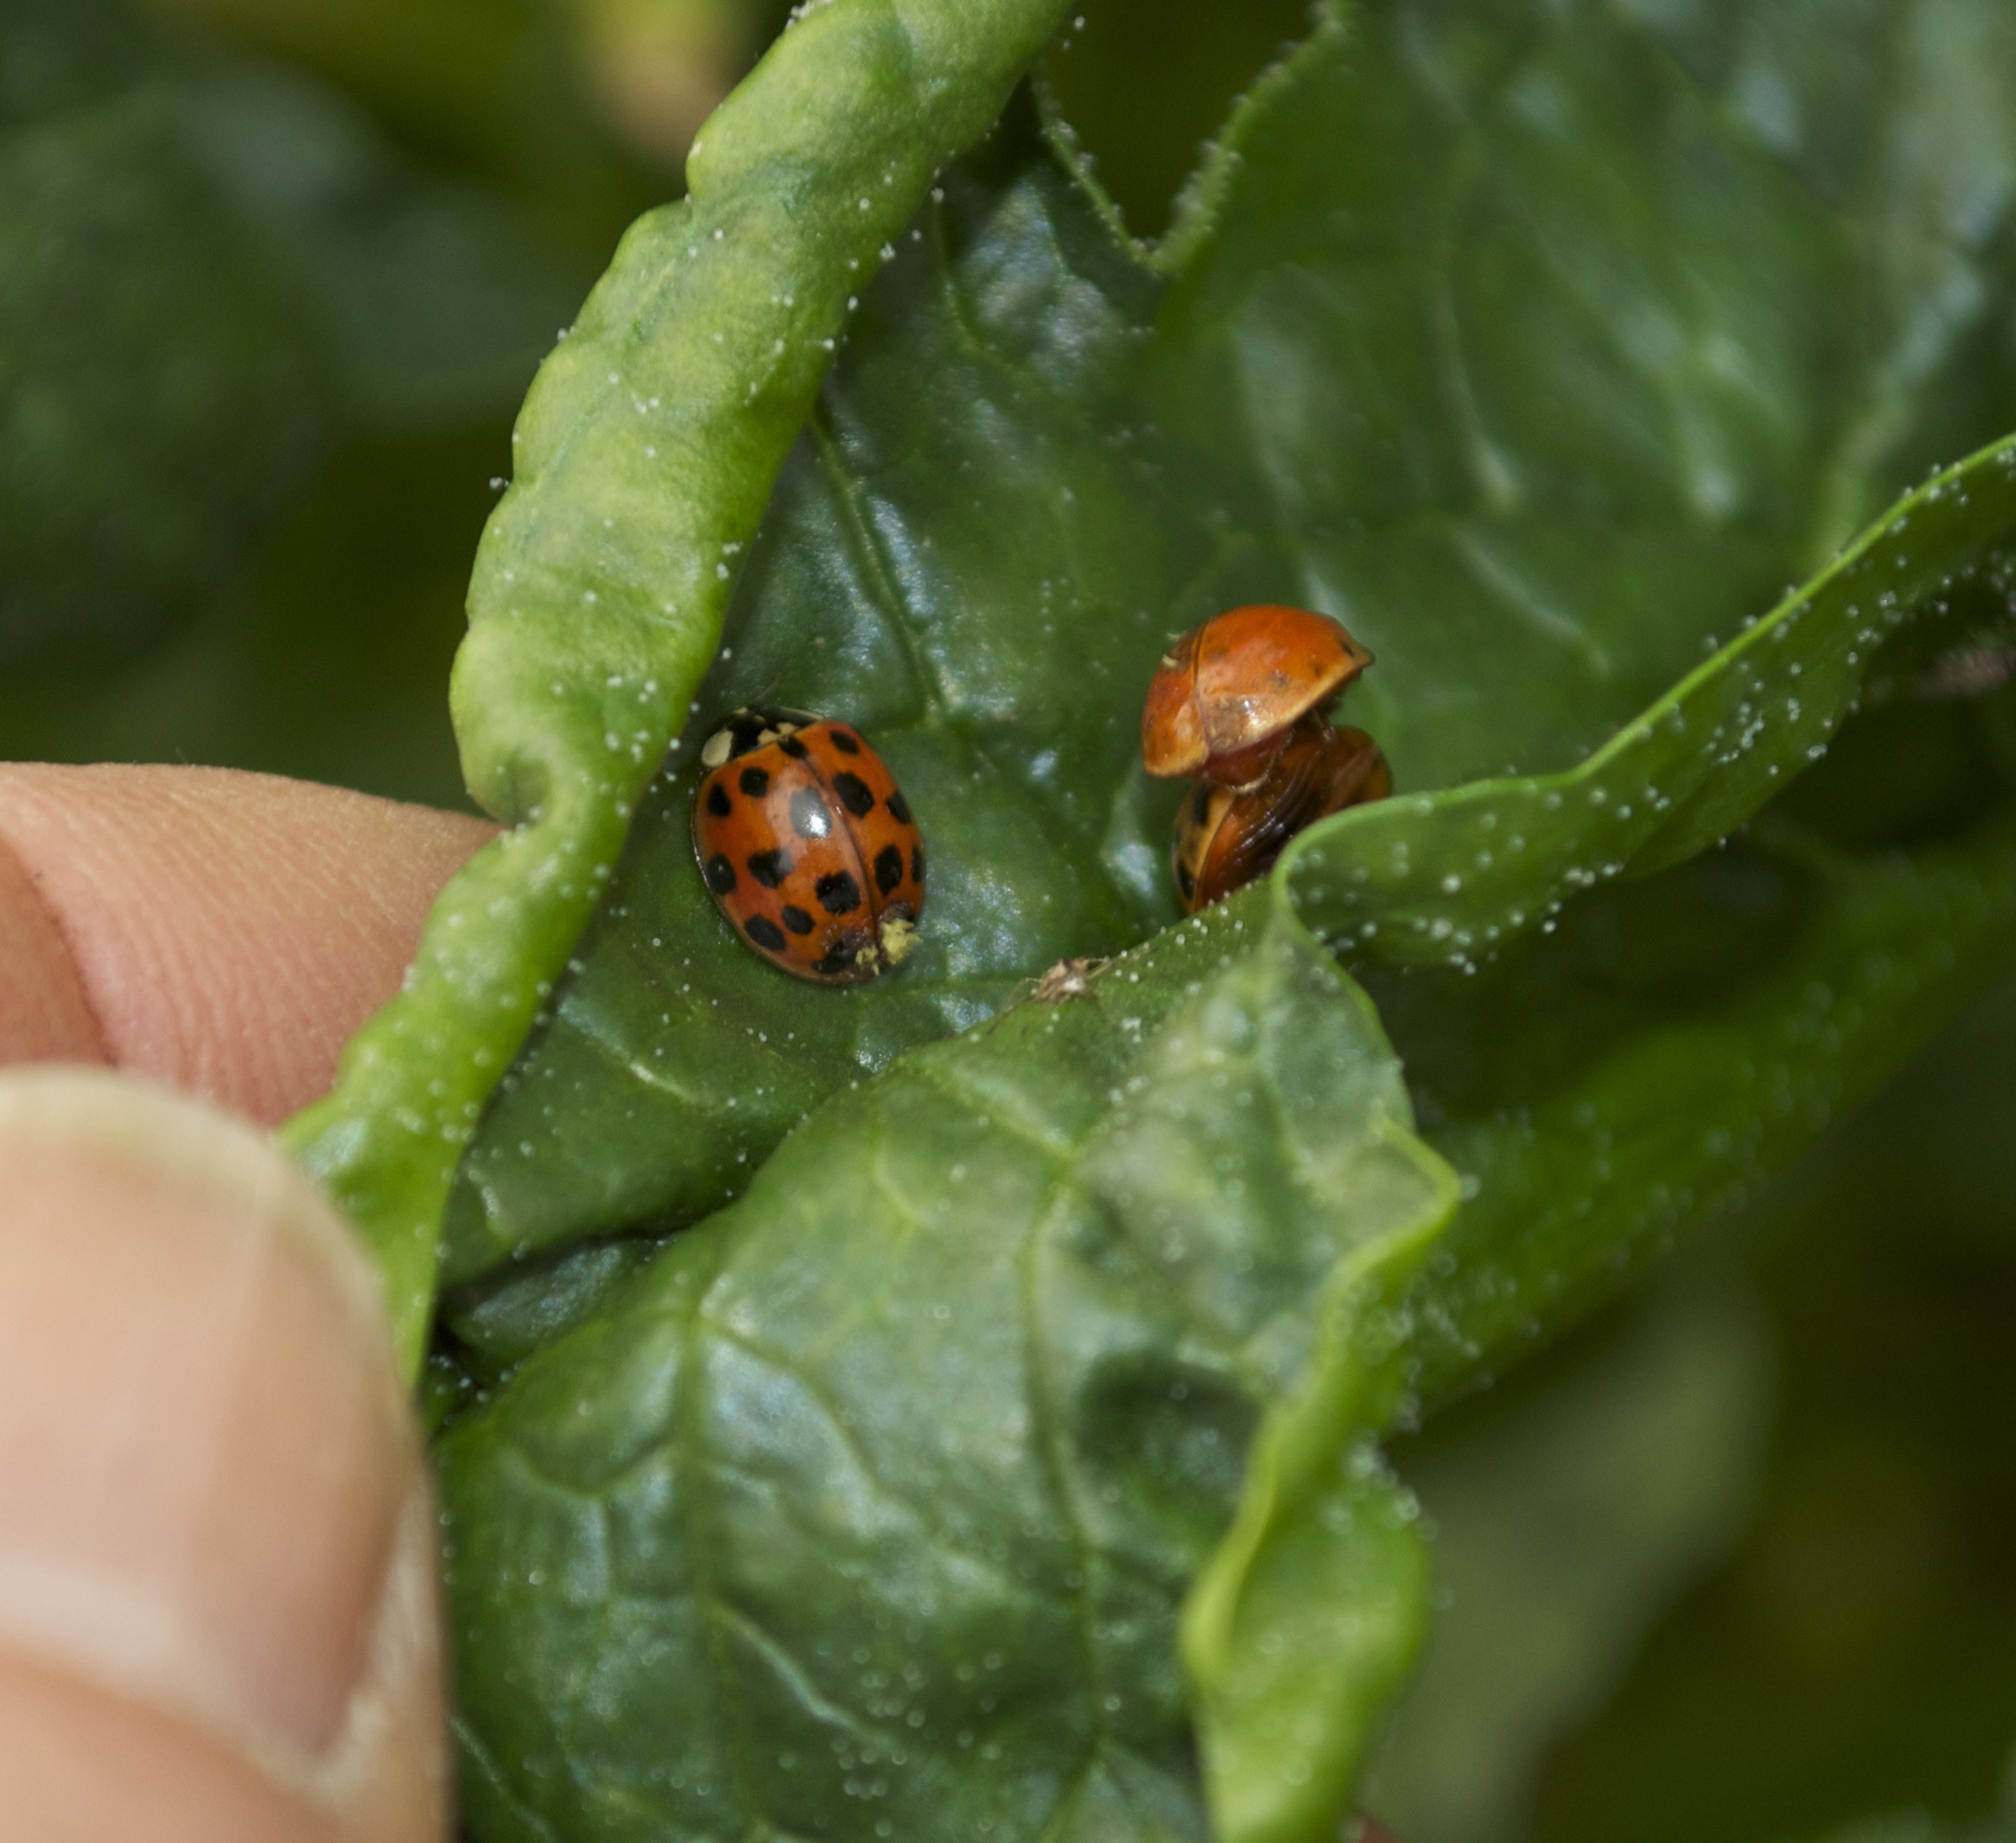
{"x":1227,"y":695}
{"x":807,"y":846}
{"x":1227,"y":836}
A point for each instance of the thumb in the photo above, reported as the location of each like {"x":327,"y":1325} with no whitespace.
{"x":217,"y":1612}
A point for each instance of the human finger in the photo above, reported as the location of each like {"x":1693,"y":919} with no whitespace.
{"x":217,"y":1614}
{"x":224,"y":933}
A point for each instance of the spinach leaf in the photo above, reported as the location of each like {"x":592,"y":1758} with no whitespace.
{"x":1539,"y":426}
{"x":643,"y":457}
{"x":716,"y":1510}
{"x":1004,"y":1459}
{"x":891,"y":1235}
{"x":1592,"y":1113}
{"x":870,"y":1507}
{"x":1679,"y":1040}
{"x":890,"y":583}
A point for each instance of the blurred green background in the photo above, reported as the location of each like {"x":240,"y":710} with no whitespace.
{"x":1737,"y":1560}
{"x":274,"y":276}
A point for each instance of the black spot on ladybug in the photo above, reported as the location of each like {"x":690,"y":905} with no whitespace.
{"x":917,"y":862}
{"x":1200,"y":801}
{"x":839,"y":961}
{"x":796,"y":920}
{"x":792,"y":747}
{"x":1185,"y":882}
{"x":889,"y":867}
{"x":770,"y":868}
{"x":809,"y":816}
{"x":845,"y":741}
{"x":755,"y":782}
{"x":837,"y":892}
{"x":720,"y":874}
{"x":899,"y":806}
{"x":764,"y":932}
{"x":718,"y":803}
{"x":854,"y":794}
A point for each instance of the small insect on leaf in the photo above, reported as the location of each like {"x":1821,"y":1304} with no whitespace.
{"x":1067,"y":978}
{"x":807,"y":845}
{"x":1228,"y":692}
{"x":1226,"y":836}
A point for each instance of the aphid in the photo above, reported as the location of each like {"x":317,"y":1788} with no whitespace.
{"x":807,"y":845}
{"x":1226,"y":837}
{"x":1228,"y":692}
{"x":1067,"y":978}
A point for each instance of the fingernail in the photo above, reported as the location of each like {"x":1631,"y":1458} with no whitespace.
{"x":204,"y":1449}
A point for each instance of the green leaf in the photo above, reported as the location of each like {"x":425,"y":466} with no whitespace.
{"x":643,"y":457}
{"x":674,"y":1058}
{"x":1299,"y":1624}
{"x":1654,"y":387}
{"x":1681,"y":1039}
{"x":884,"y":1490}
{"x":1540,"y":426}
{"x":1608,"y":1110}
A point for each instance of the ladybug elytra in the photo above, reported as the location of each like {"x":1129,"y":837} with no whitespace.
{"x":1227,"y":836}
{"x":807,"y":845}
{"x":1228,"y":692}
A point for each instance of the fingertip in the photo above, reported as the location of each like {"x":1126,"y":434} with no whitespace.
{"x":222,"y":931}
{"x":218,"y":1524}
{"x":44,"y":1015}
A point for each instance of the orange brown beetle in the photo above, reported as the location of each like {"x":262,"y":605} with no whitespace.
{"x":1229,"y":691}
{"x":807,"y":846}
{"x":1226,"y":837}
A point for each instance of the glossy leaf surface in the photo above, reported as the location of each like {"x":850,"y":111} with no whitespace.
{"x":1275,"y":1718}
{"x":984,"y":588}
{"x":891,"y":586}
{"x":643,"y":457}
{"x":913,"y":1552}
{"x":1862,"y":953}
{"x":1541,"y":427}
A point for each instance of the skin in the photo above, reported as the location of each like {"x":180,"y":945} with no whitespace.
{"x":217,"y":1614}
{"x":218,"y":1611}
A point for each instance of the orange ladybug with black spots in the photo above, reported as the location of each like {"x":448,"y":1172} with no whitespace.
{"x":807,"y":845}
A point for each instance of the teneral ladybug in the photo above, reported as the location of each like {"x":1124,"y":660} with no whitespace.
{"x":807,"y":845}
{"x":1227,"y":693}
{"x":1226,"y":837}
